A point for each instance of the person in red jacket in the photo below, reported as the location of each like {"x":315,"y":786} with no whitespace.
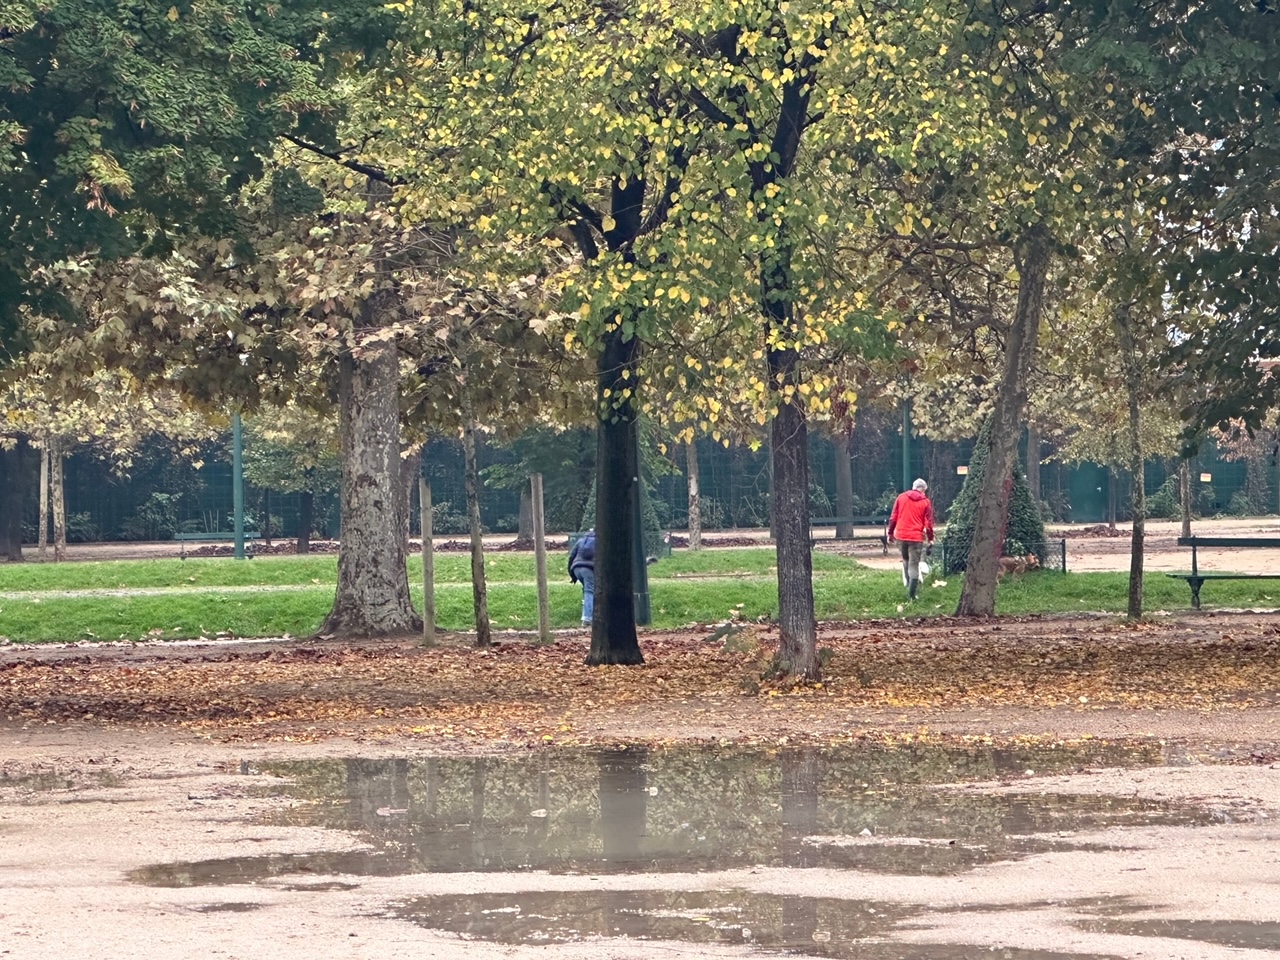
{"x":911,"y":524}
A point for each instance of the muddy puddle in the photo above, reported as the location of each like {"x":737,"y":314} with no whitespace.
{"x":43,"y":780}
{"x":686,"y":810}
{"x":1243,"y":934}
{"x":643,"y":811}
{"x":809,"y":926}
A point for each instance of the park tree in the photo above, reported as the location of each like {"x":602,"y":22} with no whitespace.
{"x":1208,"y":71}
{"x":122,"y":127}
{"x":490,"y":361}
{"x":697,"y":154}
{"x":126,"y":126}
{"x":1113,"y":403}
{"x":581,"y":143}
{"x":185,"y":108}
{"x":109,"y":416}
{"x":1061,"y":168}
{"x":293,"y":449}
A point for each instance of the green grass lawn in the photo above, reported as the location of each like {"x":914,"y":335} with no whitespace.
{"x":704,"y":587}
{"x":321,"y":569}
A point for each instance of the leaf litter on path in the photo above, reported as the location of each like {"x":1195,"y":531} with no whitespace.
{"x":522,"y":693}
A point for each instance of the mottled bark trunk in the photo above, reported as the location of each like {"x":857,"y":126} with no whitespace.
{"x":978,"y":595}
{"x":306,"y":512}
{"x":1137,"y":466}
{"x":613,"y":630}
{"x":42,"y":511}
{"x":1184,"y":495}
{"x":11,"y":488}
{"x":844,"y":483}
{"x":695,"y":496}
{"x":373,"y":582}
{"x":58,"y":496}
{"x":373,"y":578}
{"x":471,"y":477}
{"x":524,"y":524}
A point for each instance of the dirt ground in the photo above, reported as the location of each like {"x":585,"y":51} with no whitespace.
{"x":122,"y":757}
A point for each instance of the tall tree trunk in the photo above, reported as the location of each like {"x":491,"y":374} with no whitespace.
{"x":58,"y":494}
{"x":266,"y":516}
{"x":1184,"y":495}
{"x":978,"y":595}
{"x":42,"y":513}
{"x":1137,"y":462}
{"x":410,"y":470}
{"x":471,"y":476}
{"x":844,"y":483}
{"x":695,"y":496}
{"x":428,"y":563}
{"x":11,"y":488}
{"x":536,"y":502}
{"x":306,"y":512}
{"x":797,"y":627}
{"x":613,"y":630}
{"x":1256,"y":468}
{"x":373,"y":582}
{"x":524,"y":525}
{"x":1113,"y":497}
{"x":1033,"y":464}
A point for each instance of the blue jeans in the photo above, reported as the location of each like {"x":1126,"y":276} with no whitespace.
{"x":588,"y":578}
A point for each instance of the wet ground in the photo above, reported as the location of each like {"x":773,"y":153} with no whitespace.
{"x":919,"y":851}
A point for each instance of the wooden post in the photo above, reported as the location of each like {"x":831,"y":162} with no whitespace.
{"x":540,"y":557}
{"x":43,"y":512}
{"x":428,"y":566}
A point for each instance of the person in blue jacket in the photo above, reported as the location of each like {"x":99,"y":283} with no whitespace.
{"x":582,"y":568}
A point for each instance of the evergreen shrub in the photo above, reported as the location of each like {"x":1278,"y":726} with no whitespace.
{"x":1025,"y":530}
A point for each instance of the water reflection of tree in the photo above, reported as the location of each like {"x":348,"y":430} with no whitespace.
{"x":624,"y":805}
{"x":690,"y":810}
{"x":802,"y":776}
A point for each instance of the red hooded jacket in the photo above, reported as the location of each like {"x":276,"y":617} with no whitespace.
{"x":912,"y":518}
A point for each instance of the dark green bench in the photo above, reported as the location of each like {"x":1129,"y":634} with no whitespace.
{"x":1195,"y":579}
{"x":838,"y":522}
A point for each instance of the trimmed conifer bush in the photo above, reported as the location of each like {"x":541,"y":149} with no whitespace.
{"x":1025,"y":530}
